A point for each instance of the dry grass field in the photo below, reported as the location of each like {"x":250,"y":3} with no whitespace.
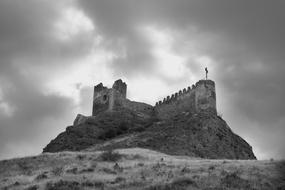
{"x":137,"y":168}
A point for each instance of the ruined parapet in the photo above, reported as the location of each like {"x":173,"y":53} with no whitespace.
{"x":201,"y":97}
{"x":121,"y":87}
{"x":80,"y":119}
{"x":106,"y":98}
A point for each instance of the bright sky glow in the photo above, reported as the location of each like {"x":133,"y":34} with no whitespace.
{"x":83,"y":72}
{"x":169,"y":63}
{"x":73,"y":22}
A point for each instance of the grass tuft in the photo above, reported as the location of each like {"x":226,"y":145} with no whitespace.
{"x":110,"y":156}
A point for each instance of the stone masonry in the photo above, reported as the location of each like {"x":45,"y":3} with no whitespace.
{"x":201,"y":97}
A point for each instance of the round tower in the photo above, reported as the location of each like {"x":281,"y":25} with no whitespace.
{"x":205,"y":96}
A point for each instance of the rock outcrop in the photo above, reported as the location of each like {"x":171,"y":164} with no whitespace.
{"x":194,"y":130}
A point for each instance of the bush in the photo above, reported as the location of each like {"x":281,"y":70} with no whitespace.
{"x":232,"y":180}
{"x":113,"y":132}
{"x":33,"y":187}
{"x":97,"y":184}
{"x":63,"y":185}
{"x":123,"y":126}
{"x":25,"y":167}
{"x":73,"y":170}
{"x":57,"y":171}
{"x":110,"y":156}
{"x":139,"y":129}
{"x":184,"y":182}
{"x":81,"y":157}
{"x":110,"y":133}
{"x":41,"y":177}
{"x":178,"y":184}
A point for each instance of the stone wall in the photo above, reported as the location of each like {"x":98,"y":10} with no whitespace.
{"x":105,"y":99}
{"x":205,"y":96}
{"x":121,"y":87}
{"x":201,"y":97}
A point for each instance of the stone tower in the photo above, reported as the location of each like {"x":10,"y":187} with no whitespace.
{"x":205,"y":96}
{"x":108,"y":98}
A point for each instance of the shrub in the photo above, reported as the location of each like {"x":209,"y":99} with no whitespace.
{"x":87,"y":170}
{"x":183,"y":182}
{"x":41,"y":176}
{"x":97,"y":184}
{"x":110,"y":156}
{"x":139,"y":129}
{"x":110,"y":133}
{"x":211,"y":167}
{"x":185,"y":170}
{"x":123,"y":126}
{"x":73,"y":170}
{"x":63,"y":185}
{"x":108,"y":171}
{"x":24,"y":167}
{"x":232,"y":180}
{"x":118,"y":180}
{"x":178,"y":184}
{"x":81,"y":157}
{"x":57,"y":171}
{"x":33,"y":187}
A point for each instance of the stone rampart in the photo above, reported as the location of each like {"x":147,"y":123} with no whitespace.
{"x":200,"y":97}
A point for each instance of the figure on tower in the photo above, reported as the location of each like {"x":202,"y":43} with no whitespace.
{"x":206,"y":70}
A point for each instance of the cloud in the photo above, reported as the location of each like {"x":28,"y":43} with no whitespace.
{"x":30,"y":54}
{"x":51,"y":53}
{"x":241,"y":42}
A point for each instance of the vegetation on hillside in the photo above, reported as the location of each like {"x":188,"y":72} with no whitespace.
{"x":137,"y":169}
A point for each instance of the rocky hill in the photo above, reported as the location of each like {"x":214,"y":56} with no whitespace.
{"x":184,"y":124}
{"x":201,"y":135}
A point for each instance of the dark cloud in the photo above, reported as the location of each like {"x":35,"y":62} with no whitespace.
{"x":28,"y":46}
{"x":242,"y":39}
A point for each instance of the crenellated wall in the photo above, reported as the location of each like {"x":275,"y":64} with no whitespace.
{"x":201,"y":97}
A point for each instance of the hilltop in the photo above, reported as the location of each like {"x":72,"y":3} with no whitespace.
{"x":185,"y":123}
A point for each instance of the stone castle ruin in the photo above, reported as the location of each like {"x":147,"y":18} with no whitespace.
{"x":104,"y":98}
{"x":184,"y":123}
{"x":111,"y":99}
{"x":201,"y":97}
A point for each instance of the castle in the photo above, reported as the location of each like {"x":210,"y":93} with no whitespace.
{"x":199,"y":97}
{"x":184,"y":123}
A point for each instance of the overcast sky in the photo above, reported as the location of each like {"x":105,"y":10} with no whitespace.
{"x":52,"y":53}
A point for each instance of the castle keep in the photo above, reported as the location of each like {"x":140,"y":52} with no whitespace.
{"x":110,"y":99}
{"x":199,"y":97}
{"x":106,"y":98}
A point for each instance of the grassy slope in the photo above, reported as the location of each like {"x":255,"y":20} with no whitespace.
{"x":138,"y":169}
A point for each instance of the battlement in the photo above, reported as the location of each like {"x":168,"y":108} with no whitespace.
{"x":199,"y":97}
{"x":175,"y":96}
